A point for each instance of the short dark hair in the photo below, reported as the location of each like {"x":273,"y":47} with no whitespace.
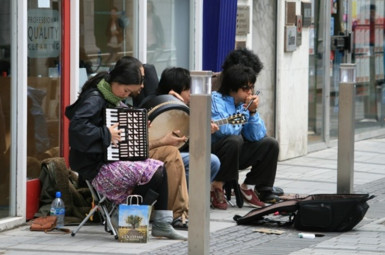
{"x":174,"y":78}
{"x":131,"y":68}
{"x":245,"y":57}
{"x":235,"y":77}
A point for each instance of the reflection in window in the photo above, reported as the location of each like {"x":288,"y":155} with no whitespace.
{"x":43,"y":95}
{"x":368,"y":54}
{"x":109,"y":30}
{"x":5,"y":106}
{"x":106,"y":34}
{"x":316,"y":73}
{"x":168,"y":33}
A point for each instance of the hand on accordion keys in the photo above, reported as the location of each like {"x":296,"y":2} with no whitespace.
{"x":115,"y":134}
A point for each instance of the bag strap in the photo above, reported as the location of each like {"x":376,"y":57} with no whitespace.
{"x":139,"y":199}
{"x":370,"y":197}
{"x":288,"y":206}
{"x":58,"y":230}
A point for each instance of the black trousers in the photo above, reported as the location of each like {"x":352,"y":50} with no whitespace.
{"x":236,"y":153}
{"x":155,"y":189}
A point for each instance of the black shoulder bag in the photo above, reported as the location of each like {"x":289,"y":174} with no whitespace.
{"x":318,"y":212}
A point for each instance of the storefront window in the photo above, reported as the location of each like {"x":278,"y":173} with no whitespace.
{"x":316,"y":72}
{"x":108,"y":30}
{"x":364,"y":20}
{"x":338,"y":55}
{"x":5,"y":106}
{"x":368,"y":54}
{"x":168,"y":33}
{"x":43,"y":116}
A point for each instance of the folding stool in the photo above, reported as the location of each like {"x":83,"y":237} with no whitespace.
{"x":101,"y":205}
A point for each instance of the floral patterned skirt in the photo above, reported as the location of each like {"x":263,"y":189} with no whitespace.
{"x":118,"y":179}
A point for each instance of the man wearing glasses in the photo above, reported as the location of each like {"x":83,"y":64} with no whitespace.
{"x":241,"y":146}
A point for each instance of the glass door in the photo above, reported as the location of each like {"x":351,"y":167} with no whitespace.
{"x":111,"y":29}
{"x":43,"y":83}
{"x":318,"y":72}
{"x":5,"y":107}
{"x":364,"y":21}
{"x":368,"y":54}
{"x":168,"y":33}
{"x":108,"y":31}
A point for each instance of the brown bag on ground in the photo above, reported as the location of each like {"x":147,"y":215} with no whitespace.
{"x":45,"y":223}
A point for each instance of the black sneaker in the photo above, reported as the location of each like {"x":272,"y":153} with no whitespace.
{"x":268,"y":197}
{"x":277,"y":191}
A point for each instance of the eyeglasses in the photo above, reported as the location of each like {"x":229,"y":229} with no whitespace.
{"x":141,"y":81}
{"x":246,"y":88}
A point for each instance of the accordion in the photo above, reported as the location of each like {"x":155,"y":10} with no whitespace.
{"x":134,"y":136}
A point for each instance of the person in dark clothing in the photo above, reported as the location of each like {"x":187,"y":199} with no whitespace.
{"x":239,"y":147}
{"x":89,"y":138}
{"x":168,"y":153}
{"x":176,"y":81}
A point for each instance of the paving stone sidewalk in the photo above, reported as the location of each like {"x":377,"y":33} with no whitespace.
{"x":368,"y":237}
{"x":313,"y":173}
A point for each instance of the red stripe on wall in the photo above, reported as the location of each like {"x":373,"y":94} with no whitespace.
{"x":65,"y":77}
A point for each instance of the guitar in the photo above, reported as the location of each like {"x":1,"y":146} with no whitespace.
{"x":235,"y":119}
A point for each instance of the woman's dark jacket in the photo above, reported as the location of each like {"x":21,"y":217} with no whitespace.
{"x":88,"y":135}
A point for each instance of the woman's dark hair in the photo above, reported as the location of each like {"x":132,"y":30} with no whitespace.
{"x":245,"y":57}
{"x":174,"y":78}
{"x":236,"y":77}
{"x":128,"y":60}
{"x":124,"y":72}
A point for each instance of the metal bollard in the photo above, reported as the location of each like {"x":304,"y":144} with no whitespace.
{"x":199,"y":176}
{"x":345,"y":165}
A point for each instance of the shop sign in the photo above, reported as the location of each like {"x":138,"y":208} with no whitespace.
{"x":290,"y":38}
{"x":243,"y":20}
{"x":306,"y":14}
{"x":43,"y":33}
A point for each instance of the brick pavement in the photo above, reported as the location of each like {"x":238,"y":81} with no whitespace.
{"x":312,"y":173}
{"x":366,"y":238}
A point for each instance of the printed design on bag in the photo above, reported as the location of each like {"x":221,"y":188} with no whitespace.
{"x":133,"y":224}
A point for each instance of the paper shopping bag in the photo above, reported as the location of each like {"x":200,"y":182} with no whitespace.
{"x":134,"y":219}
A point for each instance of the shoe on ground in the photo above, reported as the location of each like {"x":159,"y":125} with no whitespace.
{"x":268,"y":197}
{"x":251,"y":198}
{"x":218,"y":199}
{"x":277,"y":191}
{"x":179,"y":224}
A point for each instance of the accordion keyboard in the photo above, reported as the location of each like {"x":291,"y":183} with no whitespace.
{"x":134,"y":135}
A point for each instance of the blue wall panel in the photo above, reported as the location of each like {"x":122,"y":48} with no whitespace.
{"x":219,"y":26}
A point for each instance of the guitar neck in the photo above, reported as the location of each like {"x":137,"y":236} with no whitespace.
{"x":235,"y":119}
{"x":221,"y":121}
